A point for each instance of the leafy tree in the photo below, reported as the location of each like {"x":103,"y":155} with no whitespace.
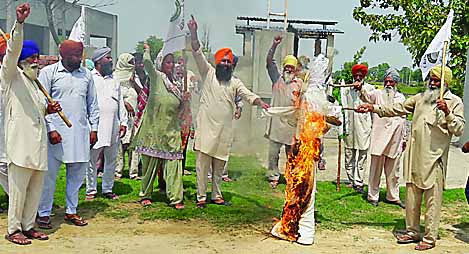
{"x":417,"y":22}
{"x":156,"y":44}
{"x":405,"y":73}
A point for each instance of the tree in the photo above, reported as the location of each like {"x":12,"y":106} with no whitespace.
{"x":156,"y":44}
{"x":405,"y":73}
{"x":417,"y":22}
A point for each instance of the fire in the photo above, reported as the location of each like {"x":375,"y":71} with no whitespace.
{"x":300,"y":171}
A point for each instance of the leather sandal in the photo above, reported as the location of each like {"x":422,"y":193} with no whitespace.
{"x":201,"y":204}
{"x":146,"y":202}
{"x":406,"y":238}
{"x":220,"y":201}
{"x":273,"y":184}
{"x":178,"y":206}
{"x":43,"y":222}
{"x":75,"y":220}
{"x":18,"y":237}
{"x":424,"y":246}
{"x":33,"y":234}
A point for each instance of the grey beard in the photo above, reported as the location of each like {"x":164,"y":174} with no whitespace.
{"x":288,"y":77}
{"x":31,"y":70}
{"x":431,"y":95}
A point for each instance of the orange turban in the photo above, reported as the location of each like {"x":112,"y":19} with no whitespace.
{"x":69,"y":47}
{"x":3,"y":44}
{"x":360,"y":68}
{"x":221,"y":53}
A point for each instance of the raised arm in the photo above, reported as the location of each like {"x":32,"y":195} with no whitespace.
{"x":272,"y":68}
{"x":148,"y":64}
{"x":200,"y":60}
{"x":15,"y":43}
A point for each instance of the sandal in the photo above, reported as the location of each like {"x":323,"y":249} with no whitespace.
{"x":273,"y":184}
{"x":146,"y":202}
{"x":220,"y":201}
{"x":33,"y":234}
{"x":227,"y":179}
{"x":90,"y":197}
{"x":43,"y":222}
{"x":178,"y":206}
{"x":111,"y":196}
{"x":18,"y":238}
{"x":406,"y":238}
{"x":75,"y":220}
{"x":201,"y":204}
{"x":424,"y":246}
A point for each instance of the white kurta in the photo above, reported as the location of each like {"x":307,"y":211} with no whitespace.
{"x":357,"y":126}
{"x":388,"y":133}
{"x":214,"y":131}
{"x":3,"y":156}
{"x":112,"y":112}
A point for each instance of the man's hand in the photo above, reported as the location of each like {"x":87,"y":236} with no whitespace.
{"x":364,"y":108}
{"x":404,"y":145}
{"x":465,"y":147}
{"x":129,"y":109}
{"x":263,"y":104}
{"x":122,"y":131}
{"x":238,"y":111}
{"x":277,"y":40}
{"x":93,"y":137}
{"x":53,"y":108}
{"x":22,"y":12}
{"x":54,"y":137}
{"x":192,"y":25}
{"x":441,"y":105}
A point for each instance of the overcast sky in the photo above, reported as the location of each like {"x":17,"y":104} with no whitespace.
{"x":139,"y":19}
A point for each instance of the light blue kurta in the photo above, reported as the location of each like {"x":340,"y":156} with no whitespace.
{"x":76,"y":93}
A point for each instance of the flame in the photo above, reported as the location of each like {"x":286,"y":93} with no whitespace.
{"x":300,"y":171}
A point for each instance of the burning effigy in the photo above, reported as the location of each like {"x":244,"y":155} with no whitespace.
{"x":310,"y":115}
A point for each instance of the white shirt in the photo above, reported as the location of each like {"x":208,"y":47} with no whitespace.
{"x":112,"y":112}
{"x":3,"y":156}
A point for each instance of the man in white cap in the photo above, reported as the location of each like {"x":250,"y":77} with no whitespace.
{"x":388,"y":137}
{"x":112,"y":126}
{"x":72,"y":85}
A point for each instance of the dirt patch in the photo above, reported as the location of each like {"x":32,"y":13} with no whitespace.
{"x":105,"y":235}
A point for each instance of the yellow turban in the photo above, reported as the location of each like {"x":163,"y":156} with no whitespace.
{"x":436,"y":71}
{"x":290,"y":60}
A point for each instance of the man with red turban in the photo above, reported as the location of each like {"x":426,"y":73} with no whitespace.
{"x":73,"y":86}
{"x":357,"y":128}
{"x":214,"y":133}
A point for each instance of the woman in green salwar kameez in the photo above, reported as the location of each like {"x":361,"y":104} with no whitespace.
{"x":158,"y":139}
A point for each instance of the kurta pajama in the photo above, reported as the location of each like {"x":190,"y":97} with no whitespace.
{"x":278,"y":131}
{"x":214,"y":124}
{"x":25,"y":137}
{"x":388,"y":135}
{"x":112,"y":114}
{"x":357,"y":134}
{"x":3,"y":156}
{"x":76,"y":93}
{"x":158,"y":139}
{"x":426,"y":157}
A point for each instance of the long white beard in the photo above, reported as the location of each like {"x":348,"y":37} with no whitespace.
{"x":288,"y":77}
{"x":431,"y":95}
{"x":389,"y":94}
{"x":31,"y":70}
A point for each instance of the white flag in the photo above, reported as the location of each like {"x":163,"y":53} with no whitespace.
{"x":176,"y":37}
{"x":434,"y":53}
{"x":79,"y":28}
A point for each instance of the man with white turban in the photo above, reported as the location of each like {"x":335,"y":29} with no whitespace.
{"x":388,"y":137}
{"x":434,"y":123}
{"x":123,"y":74}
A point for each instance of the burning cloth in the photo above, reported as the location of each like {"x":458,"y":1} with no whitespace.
{"x":309,"y":115}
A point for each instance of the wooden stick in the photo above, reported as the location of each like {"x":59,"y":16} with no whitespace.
{"x":339,"y":159}
{"x":346,"y":85}
{"x":50,"y":100}
{"x":349,"y":109}
{"x":443,"y":64}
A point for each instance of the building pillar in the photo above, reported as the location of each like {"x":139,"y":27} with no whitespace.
{"x":465,"y":137}
{"x":330,"y":51}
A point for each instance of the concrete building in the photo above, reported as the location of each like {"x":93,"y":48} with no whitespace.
{"x":101,"y":26}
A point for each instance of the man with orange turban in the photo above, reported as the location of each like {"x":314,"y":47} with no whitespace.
{"x":357,"y":129}
{"x":73,"y":86}
{"x":214,"y":128}
{"x":279,"y":132}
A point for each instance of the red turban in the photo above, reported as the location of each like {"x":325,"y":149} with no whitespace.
{"x":3,"y":44}
{"x":69,"y":47}
{"x":360,"y":68}
{"x":221,"y":53}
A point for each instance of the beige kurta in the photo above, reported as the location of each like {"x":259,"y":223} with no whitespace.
{"x":214,"y":131}
{"x":430,"y":135}
{"x":25,"y":107}
{"x":279,"y":129}
{"x":388,"y":133}
{"x":357,"y":126}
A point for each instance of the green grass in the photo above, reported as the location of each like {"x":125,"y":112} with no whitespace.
{"x":255,"y":203}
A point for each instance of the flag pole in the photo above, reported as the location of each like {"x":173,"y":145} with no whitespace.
{"x":83,"y":54}
{"x":443,"y":65}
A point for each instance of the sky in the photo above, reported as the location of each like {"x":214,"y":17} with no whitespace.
{"x":138,"y":19}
